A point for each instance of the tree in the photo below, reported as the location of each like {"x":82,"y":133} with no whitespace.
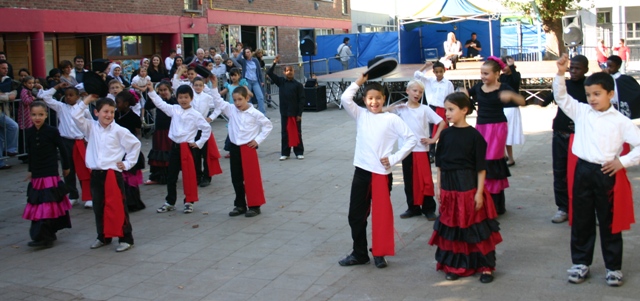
{"x":550,"y":13}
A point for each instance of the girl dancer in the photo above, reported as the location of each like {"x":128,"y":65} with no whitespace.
{"x":161,"y":144}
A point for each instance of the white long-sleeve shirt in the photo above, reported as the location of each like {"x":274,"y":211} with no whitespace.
{"x":435,"y":91}
{"x":598,"y":135}
{"x":107,"y":145}
{"x":203,"y":103}
{"x":176,"y":82}
{"x":417,"y":119}
{"x":67,"y":125}
{"x":244,"y":126}
{"x":184,"y":123}
{"x":376,"y":135}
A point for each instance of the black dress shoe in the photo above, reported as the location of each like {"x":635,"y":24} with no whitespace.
{"x":486,"y":278}
{"x":410,"y":213}
{"x":431,"y":216}
{"x":40,"y":243}
{"x":452,"y":277}
{"x":238,"y":211}
{"x":205,"y":182}
{"x":352,"y":260}
{"x":380,"y":262}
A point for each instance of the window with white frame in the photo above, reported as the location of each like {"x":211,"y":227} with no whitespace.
{"x":603,"y":17}
{"x":268,"y":40}
{"x":190,"y":5}
{"x":633,"y":30}
{"x":345,"y":7}
{"x":324,"y":31}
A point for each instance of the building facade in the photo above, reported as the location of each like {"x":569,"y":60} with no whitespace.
{"x":37,"y":35}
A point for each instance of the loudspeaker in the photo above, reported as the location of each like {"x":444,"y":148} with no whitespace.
{"x":308,"y":42}
{"x":572,"y":30}
{"x":315,"y":98}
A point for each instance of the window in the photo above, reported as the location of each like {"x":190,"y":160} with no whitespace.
{"x":268,"y":41}
{"x":345,"y":7}
{"x":604,"y":17}
{"x":190,"y":5}
{"x":129,"y":46}
{"x":324,"y":31}
{"x":633,"y":30}
{"x":234,"y":35}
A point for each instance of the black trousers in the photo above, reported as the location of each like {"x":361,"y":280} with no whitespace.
{"x":286,"y":150}
{"x":237,"y":176}
{"x":428,"y":202}
{"x":175,"y":166}
{"x":593,"y":192}
{"x":359,"y":210}
{"x":559,"y":152}
{"x":200,"y":158}
{"x":70,"y":179}
{"x":98,"y":178}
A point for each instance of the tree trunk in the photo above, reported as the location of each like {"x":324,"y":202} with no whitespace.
{"x":555,"y":44}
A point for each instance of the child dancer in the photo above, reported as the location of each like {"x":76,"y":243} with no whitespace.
{"x":436,"y":89}
{"x":185,"y":124}
{"x":563,"y":129}
{"x":160,"y":144}
{"x":466,"y":231}
{"x":247,"y":129}
{"x":291,"y":94}
{"x":206,"y":158}
{"x":236,"y":81}
{"x":600,"y":183}
{"x":416,"y":168}
{"x":377,"y":133}
{"x":108,"y":144}
{"x":24,"y":115}
{"x":178,"y":80}
{"x":491,"y":97}
{"x":72,"y":140}
{"x":125,"y":117}
{"x":47,"y":203}
{"x":515,"y":135}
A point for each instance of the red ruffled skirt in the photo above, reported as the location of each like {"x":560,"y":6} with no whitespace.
{"x":466,"y":238}
{"x":46,"y":199}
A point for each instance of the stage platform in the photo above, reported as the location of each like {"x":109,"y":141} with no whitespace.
{"x":536,"y":78}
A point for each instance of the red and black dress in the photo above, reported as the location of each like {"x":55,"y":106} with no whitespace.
{"x":466,"y":238}
{"x":161,"y":144}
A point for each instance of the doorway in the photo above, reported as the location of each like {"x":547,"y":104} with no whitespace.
{"x":249,"y":36}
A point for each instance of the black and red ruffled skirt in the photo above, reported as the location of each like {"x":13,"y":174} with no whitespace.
{"x":466,"y":238}
{"x":160,"y":149}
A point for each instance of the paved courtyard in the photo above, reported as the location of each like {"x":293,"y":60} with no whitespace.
{"x":291,"y":250}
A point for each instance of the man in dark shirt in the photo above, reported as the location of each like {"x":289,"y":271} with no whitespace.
{"x":563,"y":128}
{"x":473,"y":46}
{"x":292,"y":98}
{"x":3,"y":56}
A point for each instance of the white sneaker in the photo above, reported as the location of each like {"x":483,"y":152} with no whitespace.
{"x":123,"y":246}
{"x":614,"y":278}
{"x":560,"y":217}
{"x":282,"y":158}
{"x":88,"y":204}
{"x":300,"y":157}
{"x":73,"y":202}
{"x":578,"y":273}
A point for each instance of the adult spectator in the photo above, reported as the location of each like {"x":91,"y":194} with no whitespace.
{"x":252,"y":73}
{"x":3,"y":56}
{"x":144,"y":62}
{"x":623,"y":53}
{"x":601,"y":55}
{"x":168,"y":62}
{"x":65,"y":77}
{"x":199,"y":59}
{"x":177,"y":62}
{"x":212,"y":54}
{"x":156,"y":70}
{"x":115,"y":72}
{"x":452,"y":50}
{"x":473,"y":46}
{"x":8,"y":127}
{"x":78,"y":68}
{"x":259,"y":53}
{"x":223,"y":51}
{"x":344,"y":51}
{"x":219,"y":69}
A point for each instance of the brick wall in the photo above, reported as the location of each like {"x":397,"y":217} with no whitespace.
{"x":287,"y":7}
{"x":155,"y":7}
{"x":288,"y":44}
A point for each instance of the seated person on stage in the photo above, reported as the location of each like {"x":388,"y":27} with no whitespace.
{"x":452,"y":51}
{"x":473,"y":46}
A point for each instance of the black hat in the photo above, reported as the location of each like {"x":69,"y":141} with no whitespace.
{"x":380,"y":67}
{"x":94,"y":84}
{"x":203,"y":71}
{"x":100,"y":65}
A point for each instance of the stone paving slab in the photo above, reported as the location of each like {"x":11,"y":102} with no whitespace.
{"x":290,"y":251}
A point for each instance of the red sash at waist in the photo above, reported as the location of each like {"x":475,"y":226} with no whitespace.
{"x":252,"y":177}
{"x":382,"y":243}
{"x":292,"y":131}
{"x":189,"y":181}
{"x":213,"y":156}
{"x":422,"y":181}
{"x":441,"y":112}
{"x":623,"y":215}
{"x":572,"y":161}
{"x":113,"y":207}
{"x":82,"y":171}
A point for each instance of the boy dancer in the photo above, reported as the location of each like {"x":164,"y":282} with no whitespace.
{"x":291,"y":94}
{"x":377,"y":133}
{"x":563,"y":127}
{"x":108,"y":144}
{"x":600,"y":183}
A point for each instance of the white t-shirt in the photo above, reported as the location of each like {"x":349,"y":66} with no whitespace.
{"x":418,"y":120}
